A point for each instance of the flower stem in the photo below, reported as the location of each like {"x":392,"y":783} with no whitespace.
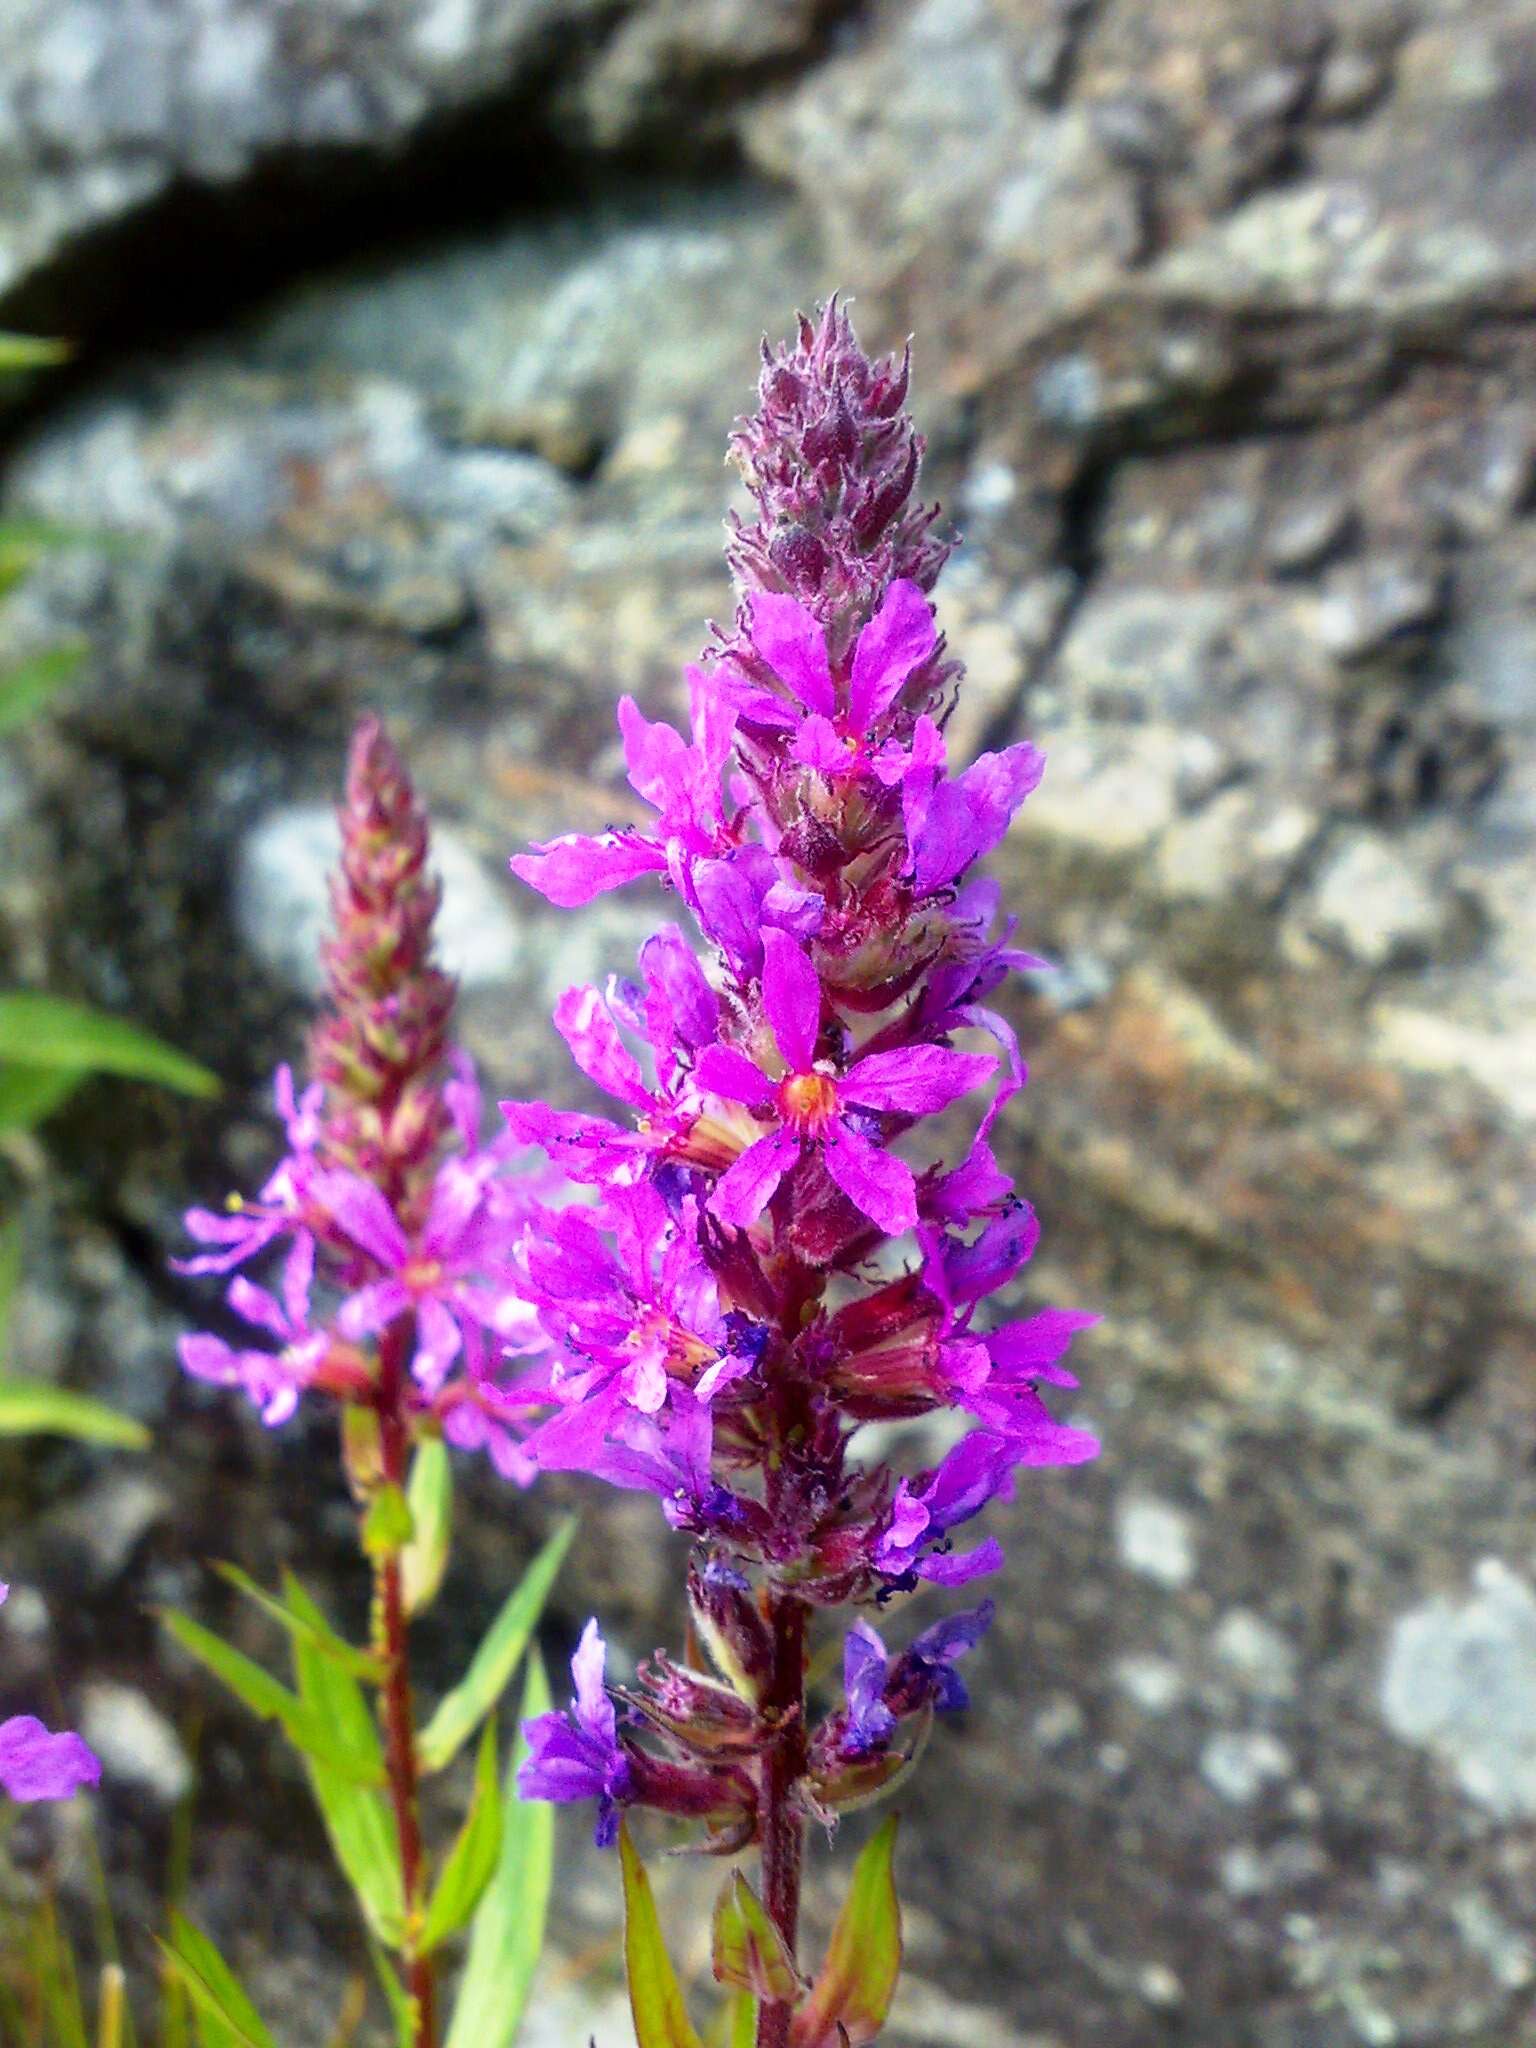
{"x":393,"y":1644}
{"x":783,"y":1830}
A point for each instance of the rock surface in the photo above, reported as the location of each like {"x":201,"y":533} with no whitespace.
{"x":1225,"y":354}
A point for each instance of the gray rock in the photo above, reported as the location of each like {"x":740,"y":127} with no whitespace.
{"x":1240,"y":1765}
{"x":136,"y":1743}
{"x":282,"y":902}
{"x":1222,"y":349}
{"x":1460,"y":1681}
{"x":1156,"y":1540}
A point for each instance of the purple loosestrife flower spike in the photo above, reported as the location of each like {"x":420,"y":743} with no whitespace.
{"x":389,"y":1208}
{"x":781,"y":1245}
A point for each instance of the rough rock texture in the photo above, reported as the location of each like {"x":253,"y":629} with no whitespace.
{"x":1226,"y":353}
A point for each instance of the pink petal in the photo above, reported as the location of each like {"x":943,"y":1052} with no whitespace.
{"x":743,"y":1192}
{"x":791,"y":999}
{"x":876,"y":1182}
{"x":722,"y":1070}
{"x":357,"y":1208}
{"x":1034,"y":1345}
{"x":657,"y":756}
{"x":573,"y":869}
{"x":926,"y":765}
{"x":583,"y":1021}
{"x":792,"y":643}
{"x":373,"y":1309}
{"x":298,"y":1278}
{"x":713,"y":717}
{"x":36,"y":1765}
{"x":916,"y":1080}
{"x":438,"y":1343}
{"x":209,"y":1358}
{"x":817,"y":745}
{"x":898,"y":639}
{"x":946,"y":1568}
{"x":258,"y":1308}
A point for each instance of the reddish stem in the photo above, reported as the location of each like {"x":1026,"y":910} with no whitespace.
{"x":783,"y":1830}
{"x":395,"y":1696}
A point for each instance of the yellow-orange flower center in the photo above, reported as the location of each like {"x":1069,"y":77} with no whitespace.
{"x":808,"y":1101}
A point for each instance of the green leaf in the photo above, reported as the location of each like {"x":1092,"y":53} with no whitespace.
{"x":45,"y":1031}
{"x":472,"y":1859}
{"x":31,"y":352}
{"x":357,"y":1819}
{"x":661,"y":2018}
{"x":28,"y":1094}
{"x":34,"y":1408}
{"x":10,"y":1272}
{"x":27,"y":688}
{"x":214,"y":1989}
{"x":315,"y":1631}
{"x":748,"y":1951}
{"x":853,"y":1993}
{"x":491,"y":1668}
{"x":743,"y":2023}
{"x":430,"y":1498}
{"x":387,"y":1526}
{"x":400,"y":2010}
{"x":316,"y":1737}
{"x":507,"y":1932}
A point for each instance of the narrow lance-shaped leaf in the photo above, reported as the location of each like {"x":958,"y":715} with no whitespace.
{"x":29,"y":1094}
{"x":852,"y":1995}
{"x":655,"y":1999}
{"x":215,"y":1991}
{"x":34,"y":1408}
{"x":507,"y":1932}
{"x":401,"y":2010}
{"x":490,"y":1671}
{"x":45,"y":1031}
{"x":748,"y":1951}
{"x":741,"y":2021}
{"x":355,"y":1815}
{"x":472,"y":1859}
{"x":31,"y":352}
{"x":268,"y":1697}
{"x":311,"y":1626}
{"x":10,"y":1273}
{"x":429,"y":1496}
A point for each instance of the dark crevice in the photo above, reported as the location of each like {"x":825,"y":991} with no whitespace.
{"x":1078,"y":550}
{"x":199,"y":256}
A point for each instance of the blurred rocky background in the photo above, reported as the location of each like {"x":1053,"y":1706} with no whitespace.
{"x":409,"y":332}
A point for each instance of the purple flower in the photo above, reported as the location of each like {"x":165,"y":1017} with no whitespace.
{"x":811,"y":1103}
{"x":625,"y":1290}
{"x":577,"y":1755}
{"x":829,"y":724}
{"x":925,"y":1670}
{"x":451,"y":1275}
{"x":35,"y":1764}
{"x":682,"y":784}
{"x":870,"y":1721}
{"x":879,"y":1691}
{"x":271,"y":1380}
{"x":667,"y":1453}
{"x":962,"y":818}
{"x":246,"y":1229}
{"x":978,"y":1470}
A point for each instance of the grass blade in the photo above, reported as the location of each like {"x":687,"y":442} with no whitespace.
{"x":490,"y":1671}
{"x":507,"y":1932}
